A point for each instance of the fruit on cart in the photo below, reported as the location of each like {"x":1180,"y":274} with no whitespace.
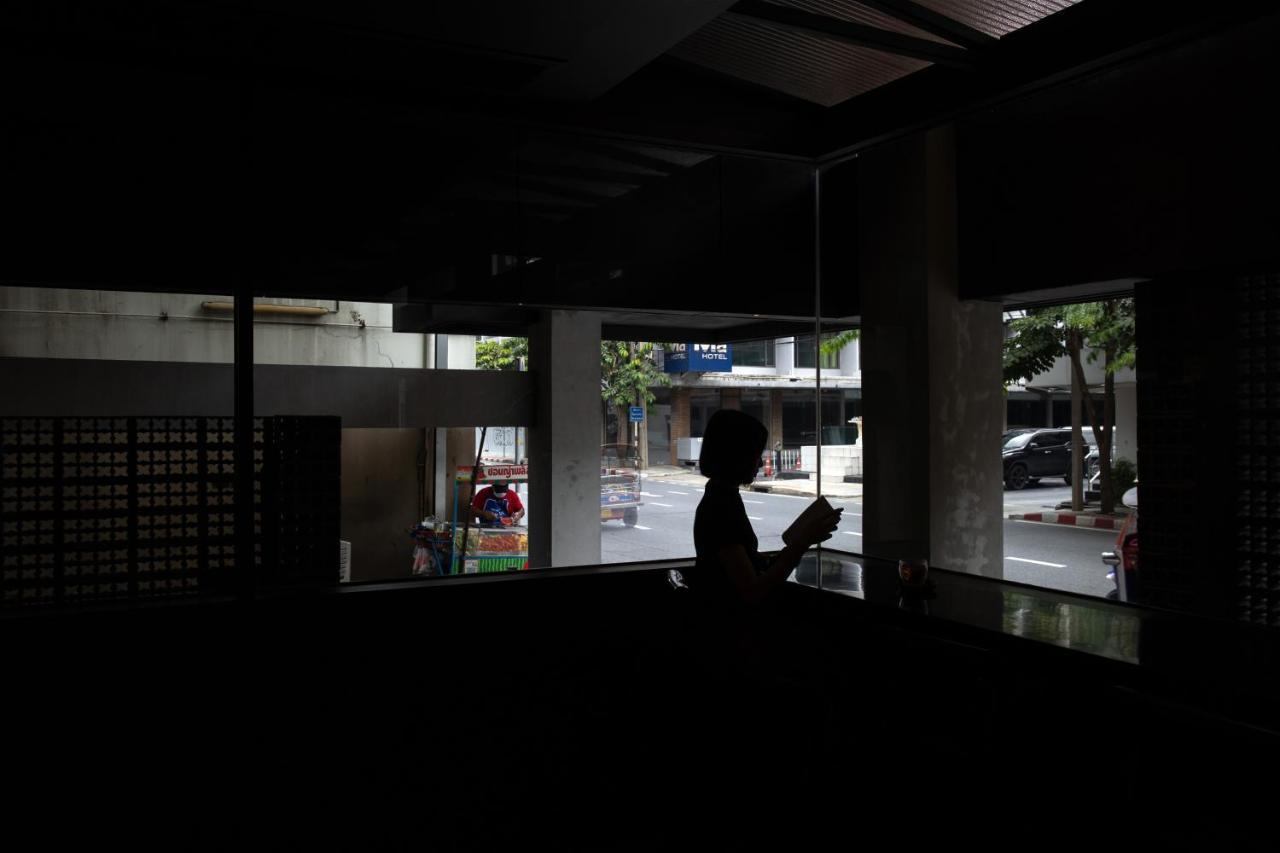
{"x":489,"y":541}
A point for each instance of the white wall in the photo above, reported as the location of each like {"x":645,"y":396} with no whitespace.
{"x":850,"y":360}
{"x":1059,"y":376}
{"x":110,"y":325}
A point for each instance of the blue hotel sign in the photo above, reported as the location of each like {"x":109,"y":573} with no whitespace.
{"x":698,"y":358}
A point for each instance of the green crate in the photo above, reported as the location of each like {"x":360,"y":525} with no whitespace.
{"x":485,"y":565}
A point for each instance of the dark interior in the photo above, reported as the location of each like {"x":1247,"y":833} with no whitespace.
{"x":687,"y":170}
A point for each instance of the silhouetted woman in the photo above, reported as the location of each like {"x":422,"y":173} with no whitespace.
{"x":730,"y":573}
{"x":746,"y":647}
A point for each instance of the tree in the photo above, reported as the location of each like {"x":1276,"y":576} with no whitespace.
{"x":834,"y":343}
{"x":627,"y":373}
{"x":1085,"y":330}
{"x":502,"y":354}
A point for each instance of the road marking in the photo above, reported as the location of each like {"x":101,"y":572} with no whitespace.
{"x":655,"y":503}
{"x":745,"y":501}
{"x":850,"y":533}
{"x":755,"y":518}
{"x":651,"y":495}
{"x":673,"y":492}
{"x":1036,"y":562}
{"x":642,"y":527}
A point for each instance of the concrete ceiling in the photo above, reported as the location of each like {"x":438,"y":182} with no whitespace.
{"x":359,"y":150}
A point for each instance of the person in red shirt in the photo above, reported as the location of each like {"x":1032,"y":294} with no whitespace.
{"x":497,"y":506}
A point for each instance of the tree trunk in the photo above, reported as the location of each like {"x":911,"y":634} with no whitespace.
{"x":1100,"y":431}
{"x":1077,"y":441}
{"x":624,"y":425}
{"x":633,"y":435}
{"x":643,"y":435}
{"x":1105,"y":440}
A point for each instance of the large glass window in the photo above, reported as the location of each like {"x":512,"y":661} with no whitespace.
{"x":754,"y":354}
{"x":1038,"y":467}
{"x":116,"y":444}
{"x":805,"y":353}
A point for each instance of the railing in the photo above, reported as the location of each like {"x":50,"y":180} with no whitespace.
{"x":786,"y":459}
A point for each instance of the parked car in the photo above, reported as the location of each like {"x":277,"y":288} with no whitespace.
{"x":1029,"y":454}
{"x":1123,"y":562}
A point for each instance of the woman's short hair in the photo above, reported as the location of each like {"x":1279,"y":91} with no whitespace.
{"x":731,"y":446}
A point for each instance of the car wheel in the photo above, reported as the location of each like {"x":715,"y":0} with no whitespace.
{"x":630,"y":516}
{"x":1016,"y":478}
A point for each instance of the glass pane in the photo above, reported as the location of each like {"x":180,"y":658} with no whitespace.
{"x":754,"y":354}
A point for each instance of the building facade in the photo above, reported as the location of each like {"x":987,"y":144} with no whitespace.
{"x":773,"y":380}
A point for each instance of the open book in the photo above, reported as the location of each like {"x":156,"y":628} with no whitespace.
{"x":817,"y":509}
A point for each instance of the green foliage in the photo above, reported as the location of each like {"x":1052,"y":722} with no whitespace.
{"x":627,"y":371}
{"x":1041,"y":337}
{"x":832,"y":344}
{"x":501,"y":354}
{"x":1123,"y":475}
{"x":1038,"y":340}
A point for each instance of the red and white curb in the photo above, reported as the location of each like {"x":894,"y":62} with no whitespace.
{"x":1070,"y":518}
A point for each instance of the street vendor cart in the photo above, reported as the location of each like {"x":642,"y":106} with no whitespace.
{"x":488,"y":549}
{"x":620,"y":484}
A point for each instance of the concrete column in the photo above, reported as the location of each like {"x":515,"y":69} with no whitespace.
{"x":564,"y":441}
{"x":784,"y":355}
{"x":679,"y":420}
{"x":1126,"y":425}
{"x":459,"y":451}
{"x":731,"y":398}
{"x":453,"y":447}
{"x":931,"y":368}
{"x":849,"y":360}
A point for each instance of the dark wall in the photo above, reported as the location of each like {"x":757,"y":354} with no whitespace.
{"x":1188,"y":428}
{"x":1161,"y":165}
{"x":584,"y":711}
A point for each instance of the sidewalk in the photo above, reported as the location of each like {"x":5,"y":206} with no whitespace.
{"x":801,"y":488}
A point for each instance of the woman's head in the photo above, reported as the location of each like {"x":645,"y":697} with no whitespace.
{"x":731,"y":446}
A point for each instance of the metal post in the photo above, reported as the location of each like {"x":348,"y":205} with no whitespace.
{"x":245,"y":569}
{"x":817,"y":336}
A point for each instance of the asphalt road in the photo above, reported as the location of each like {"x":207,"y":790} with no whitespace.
{"x":1054,"y":556}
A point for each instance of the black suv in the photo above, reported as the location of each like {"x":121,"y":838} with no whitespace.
{"x":1029,"y":454}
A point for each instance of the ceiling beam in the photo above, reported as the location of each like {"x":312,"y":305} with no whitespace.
{"x":591,"y":175}
{"x":553,"y":189}
{"x":536,"y":208}
{"x":620,"y":153}
{"x":924,"y":18}
{"x":848,"y":32}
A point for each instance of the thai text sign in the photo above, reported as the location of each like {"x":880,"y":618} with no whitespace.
{"x":495,"y":473}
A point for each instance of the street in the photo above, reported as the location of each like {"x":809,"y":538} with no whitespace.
{"x":1048,"y":555}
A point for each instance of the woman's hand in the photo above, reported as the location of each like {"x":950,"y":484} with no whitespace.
{"x":819,"y":529}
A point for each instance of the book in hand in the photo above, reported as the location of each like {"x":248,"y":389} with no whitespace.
{"x":818,"y":509}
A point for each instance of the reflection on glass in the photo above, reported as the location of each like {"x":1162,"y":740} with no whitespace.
{"x":840,"y":573}
{"x":1072,"y":625}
